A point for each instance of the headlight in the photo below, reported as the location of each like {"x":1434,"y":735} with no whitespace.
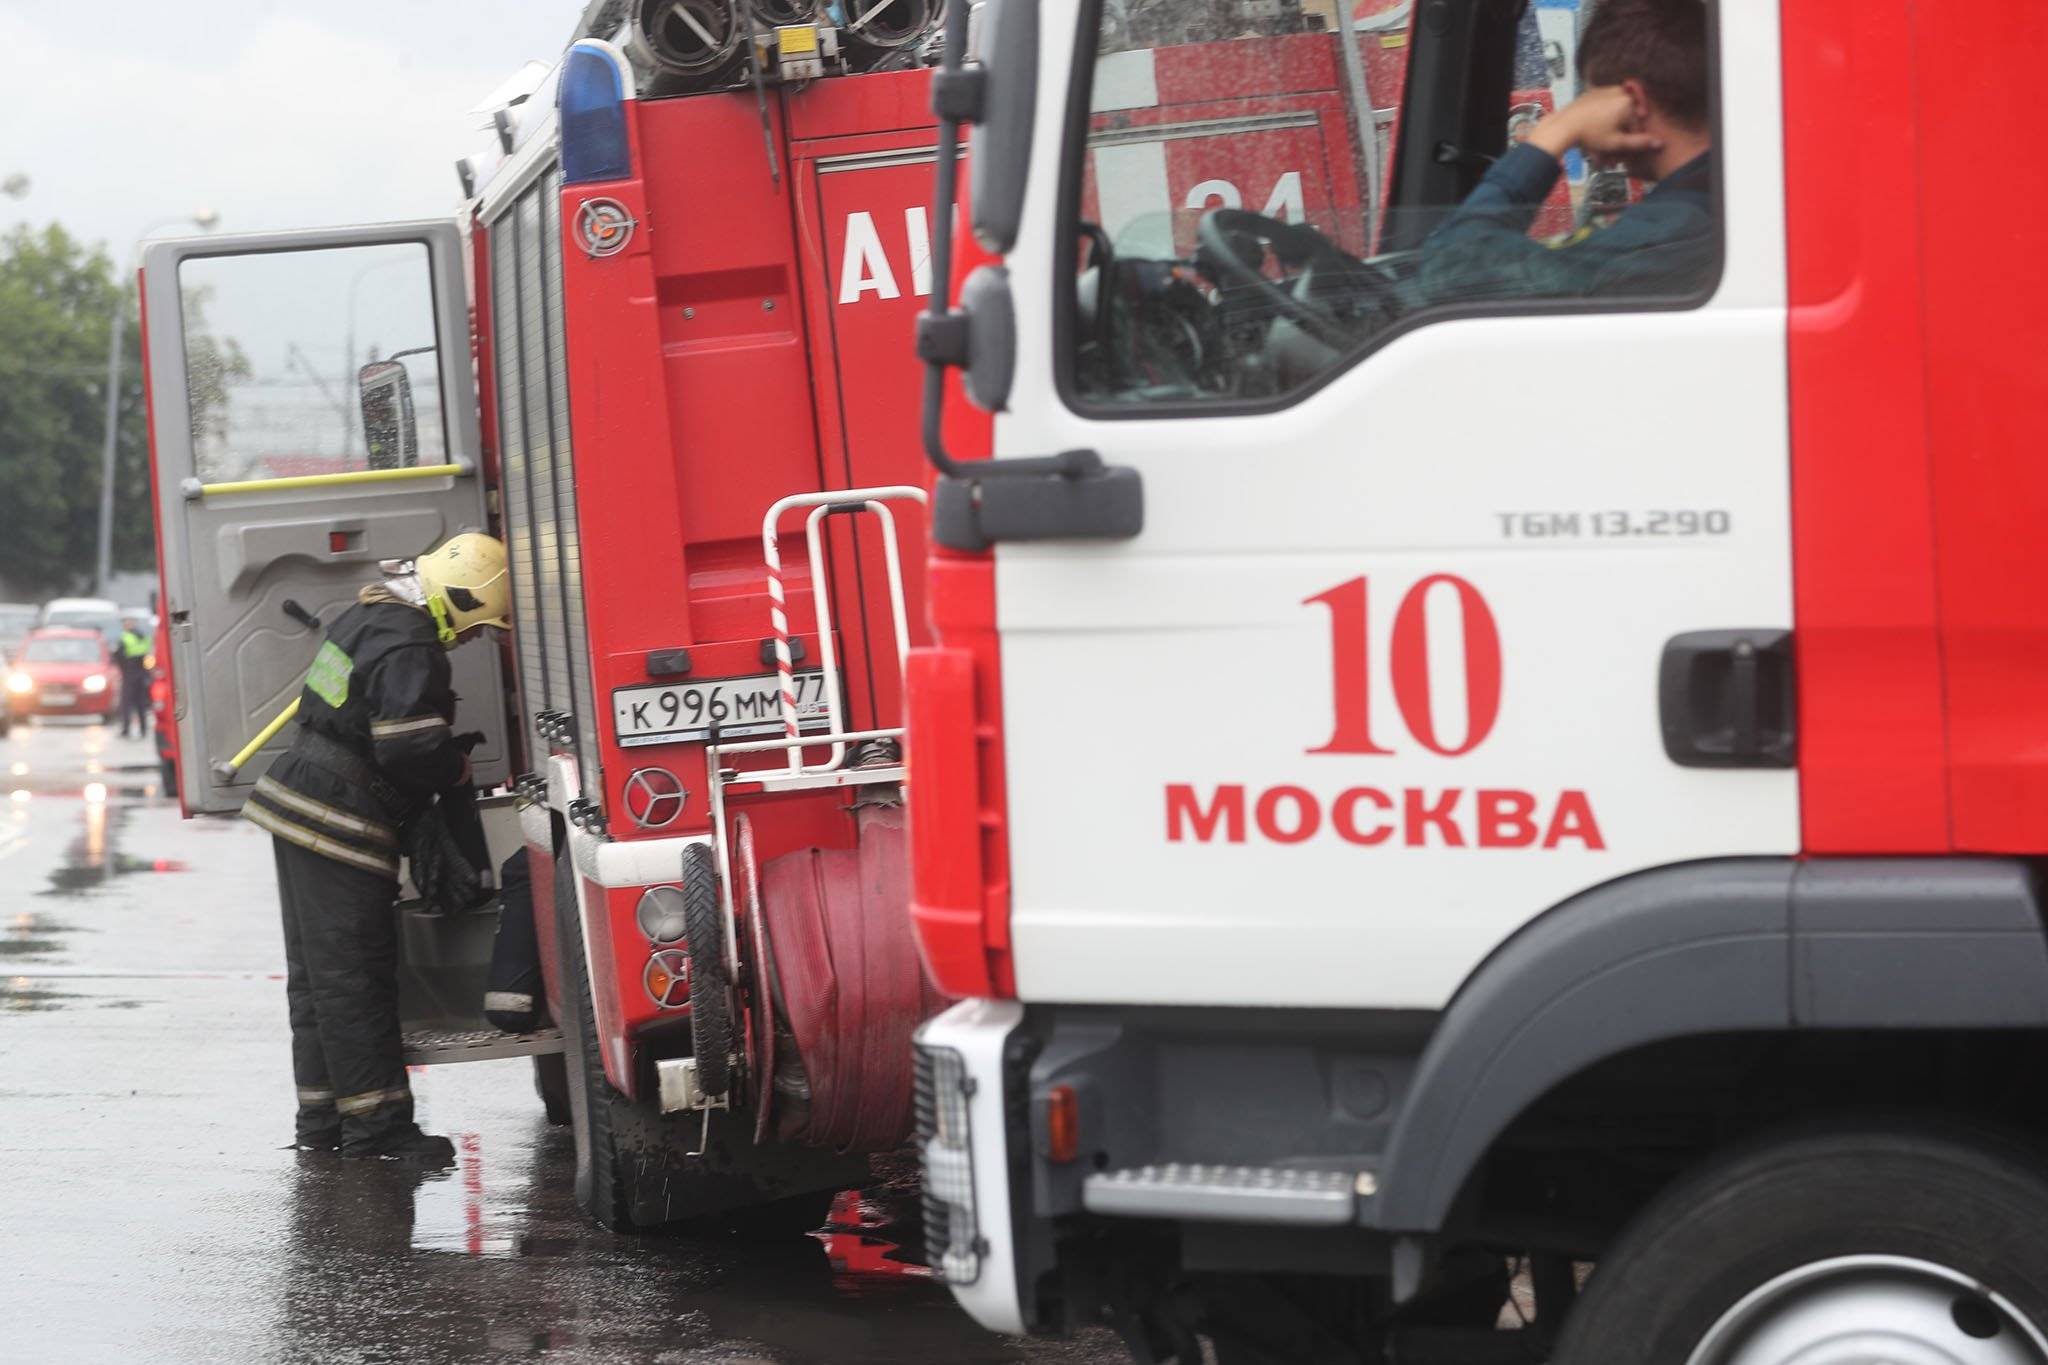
{"x":20,"y":682}
{"x":943,"y":1139}
{"x":96,"y":682}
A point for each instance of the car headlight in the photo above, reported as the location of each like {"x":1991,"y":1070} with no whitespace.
{"x":96,"y":682}
{"x":20,"y":682}
{"x":952,"y":1234}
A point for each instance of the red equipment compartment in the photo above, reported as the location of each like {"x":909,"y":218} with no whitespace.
{"x":863,"y":190}
{"x":714,"y":371}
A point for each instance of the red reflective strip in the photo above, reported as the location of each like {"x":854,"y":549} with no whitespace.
{"x":1062,"y":1125}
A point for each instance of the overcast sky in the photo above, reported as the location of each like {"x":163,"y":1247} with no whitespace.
{"x":274,"y":113}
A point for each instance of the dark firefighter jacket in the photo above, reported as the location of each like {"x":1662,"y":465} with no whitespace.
{"x":1667,"y":244}
{"x":373,"y":743}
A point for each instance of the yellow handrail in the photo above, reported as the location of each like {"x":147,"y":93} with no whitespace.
{"x":194,"y":489}
{"x":263,"y":737}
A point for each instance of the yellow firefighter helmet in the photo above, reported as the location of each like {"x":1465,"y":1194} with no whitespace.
{"x":466,"y":584}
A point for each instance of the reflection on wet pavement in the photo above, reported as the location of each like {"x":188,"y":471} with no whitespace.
{"x":21,"y":994}
{"x":150,"y":1212}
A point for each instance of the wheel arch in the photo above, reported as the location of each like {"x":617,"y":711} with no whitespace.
{"x":1743,"y":945}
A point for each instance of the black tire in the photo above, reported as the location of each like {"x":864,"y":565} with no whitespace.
{"x":1969,"y":1204}
{"x":711,"y":1031}
{"x":601,"y":1189}
{"x":551,"y":1083}
{"x":167,"y":773}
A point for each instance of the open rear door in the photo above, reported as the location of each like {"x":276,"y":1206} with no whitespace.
{"x":313,"y":411}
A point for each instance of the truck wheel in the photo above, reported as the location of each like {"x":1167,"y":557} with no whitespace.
{"x":1882,"y":1243}
{"x":710,"y":990}
{"x":600,"y":1178}
{"x":551,"y":1083}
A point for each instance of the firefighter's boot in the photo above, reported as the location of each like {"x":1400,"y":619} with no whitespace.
{"x":407,"y":1144}
{"x":318,"y":1125}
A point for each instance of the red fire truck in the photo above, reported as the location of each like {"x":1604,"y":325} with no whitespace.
{"x":1485,"y":828}
{"x":660,"y":350}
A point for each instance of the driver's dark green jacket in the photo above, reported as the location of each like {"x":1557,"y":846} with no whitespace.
{"x":1665,"y":244}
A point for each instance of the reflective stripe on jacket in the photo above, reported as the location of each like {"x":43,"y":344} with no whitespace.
{"x":380,"y":688}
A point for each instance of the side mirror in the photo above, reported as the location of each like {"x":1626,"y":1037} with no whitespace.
{"x":390,"y":430}
{"x":999,"y":156}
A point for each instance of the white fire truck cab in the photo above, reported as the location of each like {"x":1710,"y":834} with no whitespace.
{"x":1435,"y":777}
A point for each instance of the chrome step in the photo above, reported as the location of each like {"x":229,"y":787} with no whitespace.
{"x":435,"y":1047}
{"x":1228,"y":1194}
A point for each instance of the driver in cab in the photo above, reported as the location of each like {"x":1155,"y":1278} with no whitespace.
{"x":1644,"y":63}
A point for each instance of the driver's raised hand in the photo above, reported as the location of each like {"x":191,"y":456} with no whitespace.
{"x":1605,"y":121}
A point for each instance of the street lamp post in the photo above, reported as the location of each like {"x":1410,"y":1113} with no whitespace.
{"x":103,"y":568}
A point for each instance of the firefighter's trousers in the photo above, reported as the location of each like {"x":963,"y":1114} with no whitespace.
{"x":341,"y":956}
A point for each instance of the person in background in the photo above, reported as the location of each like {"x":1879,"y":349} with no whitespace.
{"x":374,"y":747}
{"x":135,"y":665}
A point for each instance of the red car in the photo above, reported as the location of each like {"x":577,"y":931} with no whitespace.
{"x":63,"y":671}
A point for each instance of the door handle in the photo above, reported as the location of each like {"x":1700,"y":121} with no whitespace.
{"x":1726,"y":699}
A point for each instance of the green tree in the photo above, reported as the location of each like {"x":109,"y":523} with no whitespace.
{"x":57,"y":301}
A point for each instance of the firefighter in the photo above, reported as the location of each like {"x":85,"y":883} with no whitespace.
{"x":1645,"y":63}
{"x":374,"y":747}
{"x":134,"y":678}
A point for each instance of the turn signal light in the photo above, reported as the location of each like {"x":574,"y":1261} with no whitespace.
{"x":667,"y":978}
{"x":1062,"y":1125}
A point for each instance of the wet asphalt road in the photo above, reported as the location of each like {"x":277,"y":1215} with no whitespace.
{"x":148,"y":1213}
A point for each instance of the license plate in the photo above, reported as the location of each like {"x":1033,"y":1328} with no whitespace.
{"x":739,"y":708}
{"x":59,"y":698}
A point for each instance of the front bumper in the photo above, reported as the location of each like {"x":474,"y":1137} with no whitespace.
{"x":22,"y":706}
{"x":963,"y":1142}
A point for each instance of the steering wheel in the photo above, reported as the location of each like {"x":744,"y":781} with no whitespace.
{"x":1293,"y":243}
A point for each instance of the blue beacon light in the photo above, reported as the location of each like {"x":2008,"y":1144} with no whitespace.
{"x":591,"y":100}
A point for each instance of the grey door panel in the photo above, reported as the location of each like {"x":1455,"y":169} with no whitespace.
{"x":254,"y":346}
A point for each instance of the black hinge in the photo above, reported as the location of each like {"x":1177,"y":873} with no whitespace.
{"x":1727,"y":699}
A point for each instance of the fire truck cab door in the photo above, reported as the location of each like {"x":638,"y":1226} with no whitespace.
{"x":1378,"y":682}
{"x":312,"y":411}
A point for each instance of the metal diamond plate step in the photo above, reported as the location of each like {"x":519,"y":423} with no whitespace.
{"x":1229,"y":1194}
{"x":433,"y":1047}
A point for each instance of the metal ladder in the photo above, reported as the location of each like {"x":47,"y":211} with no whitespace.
{"x":797,"y":775}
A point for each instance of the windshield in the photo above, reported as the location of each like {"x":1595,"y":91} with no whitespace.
{"x":1245,"y":224}
{"x":69,"y":650}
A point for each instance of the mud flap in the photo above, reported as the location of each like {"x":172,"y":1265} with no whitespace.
{"x":848,"y":988}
